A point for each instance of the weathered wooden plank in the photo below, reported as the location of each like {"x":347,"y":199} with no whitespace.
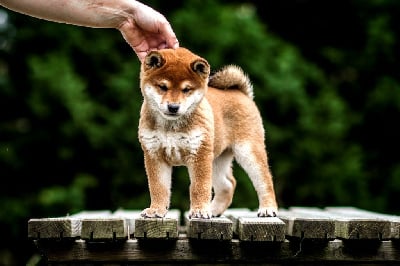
{"x":54,"y":228}
{"x":303,"y":225}
{"x":184,"y":252}
{"x":215,"y":228}
{"x":151,"y":228}
{"x":353,"y":223}
{"x":104,"y":227}
{"x":248,"y":227}
{"x":68,"y":227}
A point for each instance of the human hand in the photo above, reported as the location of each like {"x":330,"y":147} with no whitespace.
{"x":148,"y":30}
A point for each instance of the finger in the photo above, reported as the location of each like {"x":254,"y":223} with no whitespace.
{"x":170,"y":37}
{"x":162,"y":45}
{"x":141,"y":55}
{"x":172,"y":42}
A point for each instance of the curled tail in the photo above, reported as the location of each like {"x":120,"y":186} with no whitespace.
{"x":232,"y":77}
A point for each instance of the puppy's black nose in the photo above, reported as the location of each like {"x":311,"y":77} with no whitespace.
{"x":173,"y":108}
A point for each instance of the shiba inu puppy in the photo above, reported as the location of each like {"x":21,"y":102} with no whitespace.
{"x":204,"y":123}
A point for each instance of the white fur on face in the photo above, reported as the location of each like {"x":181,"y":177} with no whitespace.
{"x":173,"y":144}
{"x":191,"y":101}
{"x":153,"y":97}
{"x":160,"y":104}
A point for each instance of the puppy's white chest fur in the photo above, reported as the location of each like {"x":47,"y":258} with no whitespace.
{"x":173,"y":146}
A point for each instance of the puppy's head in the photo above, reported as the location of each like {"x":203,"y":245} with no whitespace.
{"x":173,"y":81}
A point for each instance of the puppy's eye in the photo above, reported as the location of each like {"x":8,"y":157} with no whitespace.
{"x":163,"y":87}
{"x":186,"y":90}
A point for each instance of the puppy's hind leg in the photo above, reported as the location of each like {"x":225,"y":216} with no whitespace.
{"x":252,"y":156}
{"x":223,"y":183}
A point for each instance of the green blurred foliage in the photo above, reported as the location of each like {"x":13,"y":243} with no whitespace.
{"x":305,"y":119}
{"x":329,"y":97}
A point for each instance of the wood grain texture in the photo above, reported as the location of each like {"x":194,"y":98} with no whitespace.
{"x":158,"y":228}
{"x":248,"y":227}
{"x":54,"y":228}
{"x":393,"y":220}
{"x":304,"y":225}
{"x":104,"y":229}
{"x":67,"y":227}
{"x":216,"y":228}
{"x":355,"y":224}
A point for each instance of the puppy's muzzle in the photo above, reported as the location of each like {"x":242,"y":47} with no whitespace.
{"x":173,"y":108}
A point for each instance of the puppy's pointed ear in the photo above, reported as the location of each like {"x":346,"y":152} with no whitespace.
{"x":153,"y":60}
{"x":201,"y":67}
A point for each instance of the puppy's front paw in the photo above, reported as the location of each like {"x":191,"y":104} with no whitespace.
{"x":200,"y":213}
{"x":154,"y":213}
{"x":267,"y":212}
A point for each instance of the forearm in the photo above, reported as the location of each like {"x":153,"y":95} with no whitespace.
{"x":144,"y":28}
{"x":89,"y":13}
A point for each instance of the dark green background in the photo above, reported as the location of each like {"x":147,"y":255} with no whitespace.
{"x":325,"y":75}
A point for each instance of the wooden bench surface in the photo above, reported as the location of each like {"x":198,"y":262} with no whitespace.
{"x":298,"y":234}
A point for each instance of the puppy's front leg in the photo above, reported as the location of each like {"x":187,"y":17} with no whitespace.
{"x":200,"y":188}
{"x":159,"y":179}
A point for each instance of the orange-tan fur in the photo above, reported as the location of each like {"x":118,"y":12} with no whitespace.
{"x":204,"y":123}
